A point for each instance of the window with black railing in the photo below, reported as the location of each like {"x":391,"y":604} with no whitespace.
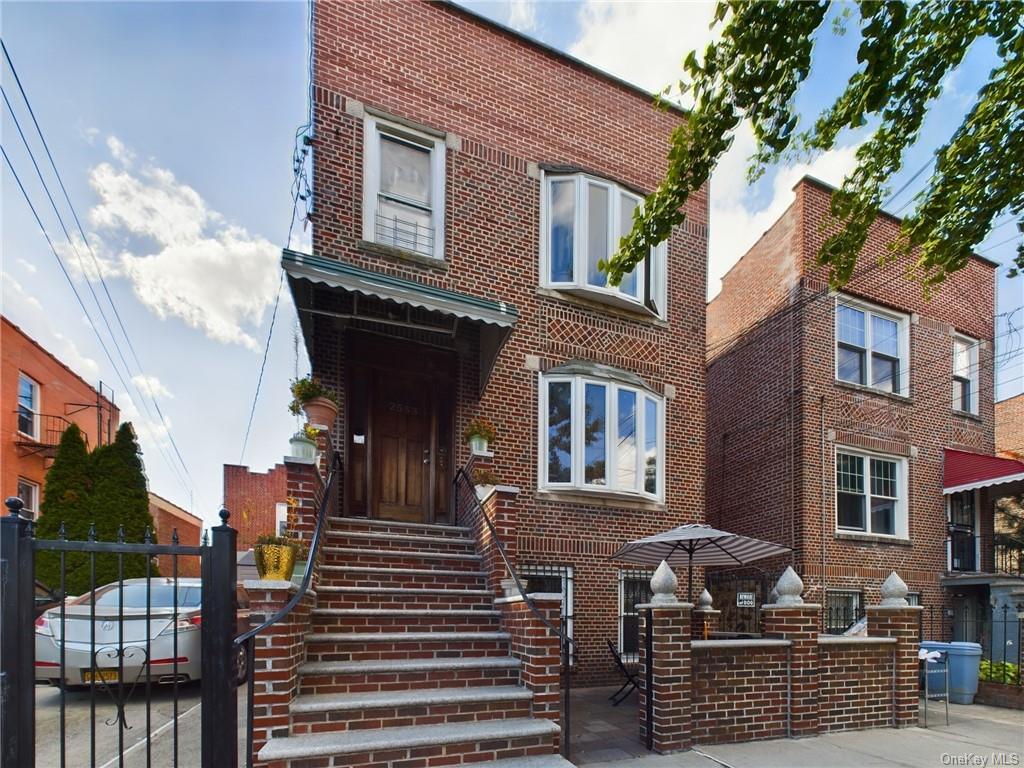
{"x":634,"y":590}
{"x":843,"y":609}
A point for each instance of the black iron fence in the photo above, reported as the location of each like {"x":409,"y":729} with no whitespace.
{"x":118,"y":641}
{"x":1008,"y":553}
{"x":999,"y":632}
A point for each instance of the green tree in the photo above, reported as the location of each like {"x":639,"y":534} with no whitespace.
{"x":753,"y":72}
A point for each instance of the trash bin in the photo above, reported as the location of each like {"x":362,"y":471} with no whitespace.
{"x":936,"y":671}
{"x":964,"y":661}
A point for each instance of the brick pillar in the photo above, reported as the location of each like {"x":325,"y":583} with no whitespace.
{"x":501,"y":505}
{"x":279,"y":650}
{"x":896,"y":618}
{"x":305,"y":492}
{"x":671,"y":675}
{"x":790,"y":618}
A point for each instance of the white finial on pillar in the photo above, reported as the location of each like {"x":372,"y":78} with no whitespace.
{"x":789,"y":587}
{"x":663,"y":584}
{"x":704,"y":601}
{"x":894,"y":592}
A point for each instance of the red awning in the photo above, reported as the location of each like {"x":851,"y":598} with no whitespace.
{"x":965,"y":471}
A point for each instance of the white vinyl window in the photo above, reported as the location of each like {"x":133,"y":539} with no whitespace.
{"x":403,"y":188}
{"x":965,"y":374}
{"x":28,"y":492}
{"x":28,"y":406}
{"x":872,"y":346}
{"x":871,"y":493}
{"x":281,"y":517}
{"x":598,"y":434}
{"x":582,"y":220}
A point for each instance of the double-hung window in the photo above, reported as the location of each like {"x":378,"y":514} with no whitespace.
{"x":583,"y":219}
{"x":872,"y":347}
{"x":28,"y":406}
{"x":871,"y":494}
{"x":403,"y":188}
{"x":28,"y":492}
{"x":965,"y":374}
{"x":601,"y":434}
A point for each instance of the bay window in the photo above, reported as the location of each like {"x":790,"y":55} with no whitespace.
{"x":871,"y":494}
{"x":600,"y":434}
{"x":872,"y":347}
{"x":583,"y":219}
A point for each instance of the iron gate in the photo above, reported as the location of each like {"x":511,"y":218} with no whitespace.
{"x":124,"y":657}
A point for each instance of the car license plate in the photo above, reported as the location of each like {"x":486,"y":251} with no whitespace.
{"x":100,"y":675}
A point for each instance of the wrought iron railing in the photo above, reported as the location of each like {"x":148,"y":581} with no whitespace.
{"x":248,"y":638}
{"x":41,"y":431}
{"x":410,"y":235}
{"x":1008,"y":552}
{"x":467,"y":502}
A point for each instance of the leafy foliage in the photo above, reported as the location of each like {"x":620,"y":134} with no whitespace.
{"x":999,"y":672}
{"x":754,"y":72}
{"x":480,"y":428}
{"x":306,"y":389}
{"x":99,"y":493}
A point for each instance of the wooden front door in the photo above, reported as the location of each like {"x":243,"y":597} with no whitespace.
{"x":403,"y":420}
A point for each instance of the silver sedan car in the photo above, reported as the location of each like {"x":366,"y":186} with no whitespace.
{"x":112,"y":648}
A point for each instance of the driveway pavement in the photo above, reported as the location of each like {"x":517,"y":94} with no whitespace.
{"x":976,"y":736}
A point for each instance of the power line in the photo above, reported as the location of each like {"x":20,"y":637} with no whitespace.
{"x":263,"y":365}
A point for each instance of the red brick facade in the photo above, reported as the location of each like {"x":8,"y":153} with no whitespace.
{"x":1010,"y":427}
{"x":776,"y":412}
{"x":168,"y":518}
{"x":506,"y":106}
{"x":252,"y":499}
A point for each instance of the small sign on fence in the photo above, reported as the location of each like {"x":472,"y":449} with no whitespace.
{"x":746,"y":600}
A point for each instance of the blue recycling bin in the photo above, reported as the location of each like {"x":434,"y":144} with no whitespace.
{"x":936,"y":671}
{"x":964,"y":663}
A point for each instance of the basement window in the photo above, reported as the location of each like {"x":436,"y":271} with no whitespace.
{"x":634,"y":590}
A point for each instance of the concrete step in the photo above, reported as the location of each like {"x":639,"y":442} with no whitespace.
{"x":402,"y":598}
{"x":391,"y":577}
{"x":413,"y":620}
{"x":312,"y":714}
{"x":389,"y":540}
{"x":366,"y":646}
{"x":540,"y":761}
{"x":336,"y":524}
{"x":483,"y":740}
{"x":339,"y":677}
{"x":384,"y":556}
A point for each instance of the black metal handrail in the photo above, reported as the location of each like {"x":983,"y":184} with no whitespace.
{"x":565,"y":642}
{"x":249,"y":637}
{"x":1008,"y":554}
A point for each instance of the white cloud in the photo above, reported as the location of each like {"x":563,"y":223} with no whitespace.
{"x":184,"y":261}
{"x":522,"y":15}
{"x":150,"y":431}
{"x":28,"y":266}
{"x":151,"y":386}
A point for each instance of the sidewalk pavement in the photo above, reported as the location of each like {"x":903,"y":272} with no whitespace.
{"x":976,"y":736}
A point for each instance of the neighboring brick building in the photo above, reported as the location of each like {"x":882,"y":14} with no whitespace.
{"x":1010,"y":427}
{"x":257,"y":501}
{"x":41,"y":397}
{"x":837,"y":420}
{"x":168,"y":518}
{"x":453,"y":276}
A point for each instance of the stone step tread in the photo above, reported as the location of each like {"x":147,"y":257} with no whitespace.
{"x":414,"y":698}
{"x":424,"y":553}
{"x":537,"y":761}
{"x":371,"y":740}
{"x":406,"y":612}
{"x":467,"y":542}
{"x":403,"y":571}
{"x":336,"y":519}
{"x":408,"y":590}
{"x":407,"y":665}
{"x":403,"y":637}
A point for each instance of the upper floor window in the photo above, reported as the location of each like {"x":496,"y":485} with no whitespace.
{"x":965,"y":374}
{"x":871,"y":493}
{"x":28,"y":406}
{"x":582,"y":220}
{"x":872,"y":346}
{"x":403,"y":188}
{"x":600,"y":434}
{"x":28,"y":492}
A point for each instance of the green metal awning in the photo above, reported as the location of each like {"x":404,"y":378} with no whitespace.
{"x":496,"y":318}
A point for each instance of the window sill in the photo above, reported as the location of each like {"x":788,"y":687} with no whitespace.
{"x":872,"y":391}
{"x":606,"y":499}
{"x":401,"y":254}
{"x":968,"y":415}
{"x":636,"y":313}
{"x":870,"y":538}
{"x":27,"y":436}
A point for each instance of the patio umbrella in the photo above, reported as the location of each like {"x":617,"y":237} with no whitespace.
{"x":697,"y":544}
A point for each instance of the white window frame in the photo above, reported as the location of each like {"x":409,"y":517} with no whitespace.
{"x":901,"y":525}
{"x":903,"y":323}
{"x":373,"y":127}
{"x":36,"y":404}
{"x":579,"y":285}
{"x":31,"y":510}
{"x":973,"y":370}
{"x":624,"y":574}
{"x":977,"y":530}
{"x":577,"y":471}
{"x":280,"y":517}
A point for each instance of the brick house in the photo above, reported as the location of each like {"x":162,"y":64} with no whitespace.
{"x":460,"y":211}
{"x":169,"y":518}
{"x":1010,"y":427}
{"x":856,"y":426}
{"x":258,"y":501}
{"x":42,"y":397}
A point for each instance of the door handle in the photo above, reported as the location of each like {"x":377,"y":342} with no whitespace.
{"x":426,"y":455}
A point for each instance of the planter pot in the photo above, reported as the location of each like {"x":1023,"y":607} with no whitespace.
{"x":301,"y":447}
{"x":478,"y":444}
{"x":275,"y":562}
{"x":321,"y":412}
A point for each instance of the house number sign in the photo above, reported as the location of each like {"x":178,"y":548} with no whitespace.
{"x":745,"y":600}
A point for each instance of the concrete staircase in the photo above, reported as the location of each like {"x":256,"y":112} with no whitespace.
{"x":406,"y":665}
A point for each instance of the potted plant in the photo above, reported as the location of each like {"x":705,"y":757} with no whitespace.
{"x":301,"y":446}
{"x":276,"y":555}
{"x":319,"y":403}
{"x":479,"y":432}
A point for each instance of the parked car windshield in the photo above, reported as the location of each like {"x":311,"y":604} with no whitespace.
{"x":160,"y":596}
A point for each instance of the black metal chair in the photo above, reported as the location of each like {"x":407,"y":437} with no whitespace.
{"x":627,"y":672}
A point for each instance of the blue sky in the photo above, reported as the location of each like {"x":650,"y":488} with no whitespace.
{"x":172,"y":127}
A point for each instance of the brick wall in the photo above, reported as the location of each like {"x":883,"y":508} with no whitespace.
{"x":168,"y":518}
{"x":1010,"y":427}
{"x":252,"y":499}
{"x":776,"y":413}
{"x":508,"y":105}
{"x":855,"y":686}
